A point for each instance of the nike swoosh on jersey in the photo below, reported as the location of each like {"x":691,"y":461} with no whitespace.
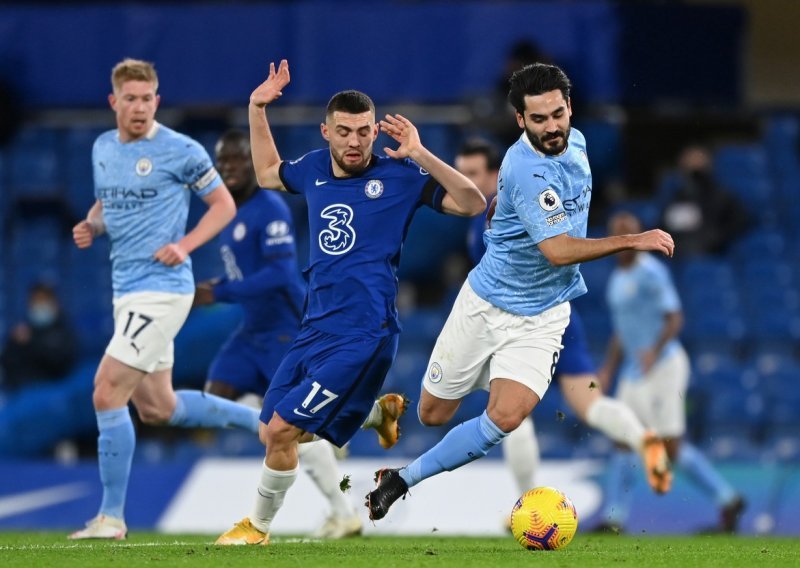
{"x":17,"y":504}
{"x":318,"y":183}
{"x":303,"y":414}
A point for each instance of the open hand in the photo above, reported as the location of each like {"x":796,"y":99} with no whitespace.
{"x":272,"y":88}
{"x":404,"y":132}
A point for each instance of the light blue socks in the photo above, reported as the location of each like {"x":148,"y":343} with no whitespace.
{"x":196,"y":409}
{"x":115,"y":447}
{"x":466,"y":442}
{"x":702,"y":472}
{"x":620,"y":480}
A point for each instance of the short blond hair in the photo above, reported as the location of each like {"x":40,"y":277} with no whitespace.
{"x":133,"y":70}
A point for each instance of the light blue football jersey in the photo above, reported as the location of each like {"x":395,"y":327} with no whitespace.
{"x":144,"y":187}
{"x":538,"y":197}
{"x":640,"y":296}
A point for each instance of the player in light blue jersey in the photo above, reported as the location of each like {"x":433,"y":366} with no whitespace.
{"x":359,"y":208}
{"x":653,"y":376}
{"x":504,"y":332}
{"x":480,"y":161}
{"x":144,"y":176}
{"x":261,"y":275}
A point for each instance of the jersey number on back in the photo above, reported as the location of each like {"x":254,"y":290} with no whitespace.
{"x":339,"y":237}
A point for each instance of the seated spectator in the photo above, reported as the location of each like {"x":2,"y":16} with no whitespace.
{"x":42,"y":348}
{"x":702,"y":217}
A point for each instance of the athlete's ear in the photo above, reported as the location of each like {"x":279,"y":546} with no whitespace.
{"x":323,"y":128}
{"x":520,"y":120}
{"x":112,"y":102}
{"x":569,"y":106}
{"x":375,"y":131}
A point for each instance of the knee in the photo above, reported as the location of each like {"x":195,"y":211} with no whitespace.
{"x":433,"y":415}
{"x":153,"y":415}
{"x":278,"y":433}
{"x":506,"y":420}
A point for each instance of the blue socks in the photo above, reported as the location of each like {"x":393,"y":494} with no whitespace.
{"x":466,"y":442}
{"x":196,"y":409}
{"x":702,"y":472}
{"x":115,"y":447}
{"x":620,"y":480}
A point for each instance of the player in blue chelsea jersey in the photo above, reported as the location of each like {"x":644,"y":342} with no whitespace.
{"x":479,"y":160}
{"x":261,"y":275}
{"x":504,"y":331}
{"x":359,"y":209}
{"x":144,"y":176}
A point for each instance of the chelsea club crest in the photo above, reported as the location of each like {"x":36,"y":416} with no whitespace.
{"x":374,"y":188}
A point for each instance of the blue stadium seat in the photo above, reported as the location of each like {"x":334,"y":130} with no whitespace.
{"x":781,"y":140}
{"x":743,"y":169}
{"x":35,"y":162}
{"x":707,"y":272}
{"x":759,"y":247}
{"x":734,"y":411}
{"x":78,"y":168}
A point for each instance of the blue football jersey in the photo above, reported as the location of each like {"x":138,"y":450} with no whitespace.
{"x":640,"y":296}
{"x":260,"y":259}
{"x":538,"y":197}
{"x":144,"y":187}
{"x":357,"y":227}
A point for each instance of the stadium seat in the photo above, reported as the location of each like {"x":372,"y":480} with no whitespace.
{"x":78,"y":168}
{"x":743,"y":169}
{"x":734,"y":411}
{"x":759,"y":247}
{"x":35,"y":162}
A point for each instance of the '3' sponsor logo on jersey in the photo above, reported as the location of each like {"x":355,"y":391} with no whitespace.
{"x":340,"y":236}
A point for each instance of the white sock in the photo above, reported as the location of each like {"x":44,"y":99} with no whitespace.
{"x":271,"y":492}
{"x":319,"y":461}
{"x":617,"y":421}
{"x":375,"y":416}
{"x":521,"y":452}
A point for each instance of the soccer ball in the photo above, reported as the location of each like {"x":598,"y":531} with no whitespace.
{"x":544,"y":519}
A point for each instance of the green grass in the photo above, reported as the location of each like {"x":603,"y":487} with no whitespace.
{"x":146,"y":549}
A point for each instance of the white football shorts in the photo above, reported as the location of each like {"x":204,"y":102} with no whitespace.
{"x":659,"y":398}
{"x":481,"y":342}
{"x":145,"y":323}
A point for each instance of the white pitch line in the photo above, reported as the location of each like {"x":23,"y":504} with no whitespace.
{"x":110,"y":544}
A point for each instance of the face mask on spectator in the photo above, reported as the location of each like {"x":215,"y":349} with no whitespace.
{"x":42,"y":314}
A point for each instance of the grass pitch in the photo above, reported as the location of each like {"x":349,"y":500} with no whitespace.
{"x":149,"y":549}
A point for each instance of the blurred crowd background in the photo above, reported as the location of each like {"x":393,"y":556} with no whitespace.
{"x":691,"y":111}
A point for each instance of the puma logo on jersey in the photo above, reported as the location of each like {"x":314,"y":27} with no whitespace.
{"x":540,"y":176}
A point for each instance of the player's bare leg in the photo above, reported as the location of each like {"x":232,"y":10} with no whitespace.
{"x":114,"y":384}
{"x":277,"y":476}
{"x":618,"y":422}
{"x":509,"y":403}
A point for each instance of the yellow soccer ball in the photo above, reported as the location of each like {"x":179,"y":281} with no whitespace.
{"x":544,"y":519}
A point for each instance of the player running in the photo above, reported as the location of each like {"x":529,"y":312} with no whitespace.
{"x":504,"y":331}
{"x":359,"y":209}
{"x":479,"y":160}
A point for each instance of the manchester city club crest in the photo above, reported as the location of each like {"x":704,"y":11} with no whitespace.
{"x":143,"y":167}
{"x":374,"y":188}
{"x":435,"y":373}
